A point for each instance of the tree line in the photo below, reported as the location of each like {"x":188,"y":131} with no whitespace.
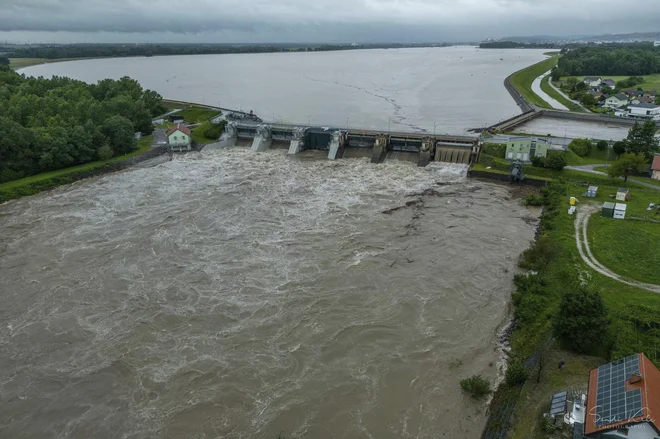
{"x":126,"y":50}
{"x":49,"y":124}
{"x":613,"y":60}
{"x":517,"y":45}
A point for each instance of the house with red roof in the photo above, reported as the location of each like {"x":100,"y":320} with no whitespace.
{"x":179,"y":138}
{"x":655,"y":167}
{"x":623,"y":400}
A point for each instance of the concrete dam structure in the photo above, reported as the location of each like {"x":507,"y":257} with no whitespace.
{"x":339,"y":143}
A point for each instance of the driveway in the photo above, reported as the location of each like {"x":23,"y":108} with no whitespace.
{"x":159,"y":137}
{"x":590,"y":169}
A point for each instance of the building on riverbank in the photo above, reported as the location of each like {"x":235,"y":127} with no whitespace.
{"x":524,"y":148}
{"x":179,"y":138}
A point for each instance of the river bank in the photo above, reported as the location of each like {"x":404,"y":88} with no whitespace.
{"x":50,"y":180}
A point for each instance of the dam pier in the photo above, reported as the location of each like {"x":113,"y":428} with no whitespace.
{"x":420,"y":148}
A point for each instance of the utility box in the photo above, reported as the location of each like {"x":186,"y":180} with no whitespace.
{"x":608,"y":210}
{"x":620,"y":211}
{"x":592,"y":191}
{"x":622,"y":194}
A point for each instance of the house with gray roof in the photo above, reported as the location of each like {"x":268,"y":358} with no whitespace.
{"x":617,"y":101}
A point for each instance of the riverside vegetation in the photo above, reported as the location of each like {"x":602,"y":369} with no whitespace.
{"x":559,"y":293}
{"x":51,"y":124}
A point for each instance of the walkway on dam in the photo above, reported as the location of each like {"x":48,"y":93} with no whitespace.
{"x":536,"y":88}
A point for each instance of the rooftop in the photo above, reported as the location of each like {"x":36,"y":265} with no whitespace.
{"x":623,"y":392}
{"x":655,"y":166}
{"x":178,"y":127}
{"x":644,"y":105}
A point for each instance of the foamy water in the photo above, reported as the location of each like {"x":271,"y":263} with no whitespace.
{"x":237,"y":295}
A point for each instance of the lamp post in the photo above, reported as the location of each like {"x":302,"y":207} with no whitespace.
{"x":609,"y":145}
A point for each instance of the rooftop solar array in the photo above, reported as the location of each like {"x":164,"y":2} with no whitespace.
{"x":613,"y":403}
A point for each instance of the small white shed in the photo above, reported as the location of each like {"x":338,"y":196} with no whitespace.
{"x":592,"y":191}
{"x":620,"y":211}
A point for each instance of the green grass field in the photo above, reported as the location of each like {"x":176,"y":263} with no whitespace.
{"x":595,"y":157}
{"x":196,"y":114}
{"x":545,"y":86}
{"x":144,"y":145}
{"x":18,"y":63}
{"x":523,"y":79}
{"x":629,"y":248}
{"x":651,"y":82}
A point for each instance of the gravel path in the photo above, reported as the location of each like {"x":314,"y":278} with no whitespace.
{"x":582,"y":241}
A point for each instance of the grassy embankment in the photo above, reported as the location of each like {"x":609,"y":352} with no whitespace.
{"x":194,"y":114}
{"x":630,"y":248}
{"x":47,"y":180}
{"x":572,"y":106}
{"x":523,"y":79}
{"x":19,"y":63}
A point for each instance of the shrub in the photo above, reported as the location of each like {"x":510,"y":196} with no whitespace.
{"x":105,"y":152}
{"x":516,"y":374}
{"x":538,"y":161}
{"x":582,"y":321}
{"x":215,"y":130}
{"x":533,"y":200}
{"x":555,"y":160}
{"x":619,"y":148}
{"x":602,"y":145}
{"x":476,"y":386}
{"x":547,"y":425}
{"x":581,"y":147}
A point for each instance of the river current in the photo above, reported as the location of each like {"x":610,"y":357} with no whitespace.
{"x":237,"y":295}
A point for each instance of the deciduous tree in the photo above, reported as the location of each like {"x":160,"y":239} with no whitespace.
{"x":582,"y":321}
{"x":628,"y":164}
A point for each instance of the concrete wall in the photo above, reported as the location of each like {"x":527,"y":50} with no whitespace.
{"x":587,"y":117}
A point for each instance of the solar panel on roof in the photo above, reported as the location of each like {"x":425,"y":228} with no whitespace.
{"x":613,"y":402}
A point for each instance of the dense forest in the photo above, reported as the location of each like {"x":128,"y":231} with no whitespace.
{"x":48,"y":124}
{"x":517,"y":45}
{"x":614,"y":60}
{"x":123,"y":50}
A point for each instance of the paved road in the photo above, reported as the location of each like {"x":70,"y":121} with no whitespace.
{"x":536,"y":88}
{"x":159,"y":137}
{"x":564,"y":95}
{"x":590,"y":169}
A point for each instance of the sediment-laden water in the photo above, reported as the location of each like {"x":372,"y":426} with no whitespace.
{"x":237,"y":295}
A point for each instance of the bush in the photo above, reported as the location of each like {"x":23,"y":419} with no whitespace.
{"x":581,"y":147}
{"x":105,"y":152}
{"x":215,"y":130}
{"x":555,"y":160}
{"x":602,"y":145}
{"x":538,"y":161}
{"x":619,"y":148}
{"x":582,"y":321}
{"x":516,"y":374}
{"x":547,"y":425}
{"x":476,"y":386}
{"x":533,"y":200}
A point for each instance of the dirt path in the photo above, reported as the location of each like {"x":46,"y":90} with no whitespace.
{"x":582,"y":241}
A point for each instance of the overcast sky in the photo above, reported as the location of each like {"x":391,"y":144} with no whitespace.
{"x":252,"y":21}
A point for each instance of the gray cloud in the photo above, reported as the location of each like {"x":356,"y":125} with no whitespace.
{"x":318,"y":20}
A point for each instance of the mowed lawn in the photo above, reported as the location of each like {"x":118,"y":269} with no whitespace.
{"x":629,"y":248}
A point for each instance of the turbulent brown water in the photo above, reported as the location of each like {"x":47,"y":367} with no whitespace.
{"x":237,"y":295}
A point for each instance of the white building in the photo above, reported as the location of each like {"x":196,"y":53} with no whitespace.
{"x":592,"y":81}
{"x":616,"y":101}
{"x":178,"y":138}
{"x":656,"y":43}
{"x":640,"y":111}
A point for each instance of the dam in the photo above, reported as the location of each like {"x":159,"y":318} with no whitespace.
{"x":421,"y":148}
